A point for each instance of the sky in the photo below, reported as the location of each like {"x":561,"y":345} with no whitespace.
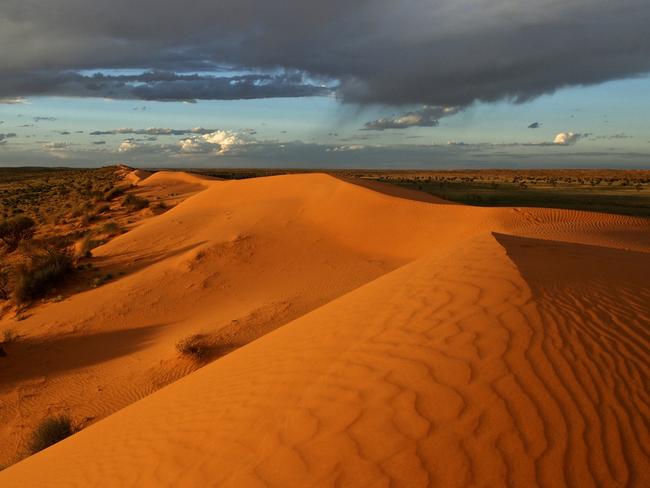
{"x":313,"y":84}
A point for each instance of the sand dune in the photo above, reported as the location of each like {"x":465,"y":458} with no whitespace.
{"x":424,"y":344}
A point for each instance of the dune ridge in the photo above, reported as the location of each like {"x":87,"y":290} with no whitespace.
{"x":428,"y":345}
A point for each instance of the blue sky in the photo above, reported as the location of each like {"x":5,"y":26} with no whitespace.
{"x":611,"y":119}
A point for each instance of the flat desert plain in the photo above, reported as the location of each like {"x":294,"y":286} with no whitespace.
{"x":356,"y":335}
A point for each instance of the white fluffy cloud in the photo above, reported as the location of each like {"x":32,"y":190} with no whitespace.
{"x":566,"y":138}
{"x":218,"y":142}
{"x":128,"y":145}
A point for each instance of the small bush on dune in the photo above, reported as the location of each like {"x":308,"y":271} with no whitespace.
{"x":9,"y":336}
{"x":134,"y":202}
{"x":49,"y":432}
{"x":44,"y":272}
{"x":4,"y":285}
{"x":83,"y":248}
{"x":15,"y":230}
{"x":111,"y":228}
{"x":194,"y":346}
{"x":112,"y":193}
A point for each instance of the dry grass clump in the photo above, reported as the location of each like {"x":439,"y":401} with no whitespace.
{"x":111,"y":229}
{"x":116,"y":191}
{"x":4,"y":284}
{"x":9,"y":336}
{"x":43,"y":273}
{"x":195,"y":346}
{"x":49,"y":432}
{"x":15,"y":230}
{"x":134,"y":202}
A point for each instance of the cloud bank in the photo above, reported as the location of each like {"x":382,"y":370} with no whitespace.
{"x":425,"y":117}
{"x":433,"y":52}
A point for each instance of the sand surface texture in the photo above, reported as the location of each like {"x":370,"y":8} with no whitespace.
{"x":372,"y":339}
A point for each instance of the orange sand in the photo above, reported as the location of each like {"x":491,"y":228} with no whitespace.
{"x":422,"y":344}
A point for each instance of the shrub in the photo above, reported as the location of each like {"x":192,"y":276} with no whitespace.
{"x":111,"y":228}
{"x":9,"y":336}
{"x":49,"y":432}
{"x":194,"y":346}
{"x":135,"y":202}
{"x":16,"y":229}
{"x":44,"y":271}
{"x":4,"y":285}
{"x":112,"y":193}
{"x":100,"y":280}
{"x":83,"y":248}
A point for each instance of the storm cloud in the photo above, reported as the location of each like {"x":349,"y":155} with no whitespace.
{"x":433,"y":52}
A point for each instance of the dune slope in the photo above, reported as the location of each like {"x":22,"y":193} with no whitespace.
{"x":494,"y":347}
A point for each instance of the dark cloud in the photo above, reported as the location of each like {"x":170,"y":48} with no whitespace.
{"x":535,"y":125}
{"x":99,"y":143}
{"x":153,"y":131}
{"x":425,"y":117}
{"x":159,"y":86}
{"x":614,"y":136}
{"x":4,"y":137}
{"x":436,"y":52}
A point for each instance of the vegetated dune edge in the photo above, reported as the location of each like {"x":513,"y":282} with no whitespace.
{"x":493,"y":347}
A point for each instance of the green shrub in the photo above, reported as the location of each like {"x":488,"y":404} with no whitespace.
{"x":44,"y":272}
{"x":49,"y":432}
{"x":16,"y":229}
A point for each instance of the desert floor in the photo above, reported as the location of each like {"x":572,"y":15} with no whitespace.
{"x":364,"y":335}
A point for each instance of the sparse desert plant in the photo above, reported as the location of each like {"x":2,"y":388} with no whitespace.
{"x":4,"y":285}
{"x":113,"y":192}
{"x":134,"y":202}
{"x":49,"y":432}
{"x":41,"y":274}
{"x":102,"y":208}
{"x":195,"y":346}
{"x":15,"y":230}
{"x":9,"y":336}
{"x":111,"y":228}
{"x":100,"y":280}
{"x":83,"y":249}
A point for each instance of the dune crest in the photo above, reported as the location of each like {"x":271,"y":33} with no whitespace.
{"x":425,"y":344}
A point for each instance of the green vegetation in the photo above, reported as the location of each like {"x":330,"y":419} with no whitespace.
{"x":49,"y":432}
{"x":624,"y":192}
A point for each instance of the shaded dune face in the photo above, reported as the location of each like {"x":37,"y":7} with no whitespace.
{"x":483,"y":356}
